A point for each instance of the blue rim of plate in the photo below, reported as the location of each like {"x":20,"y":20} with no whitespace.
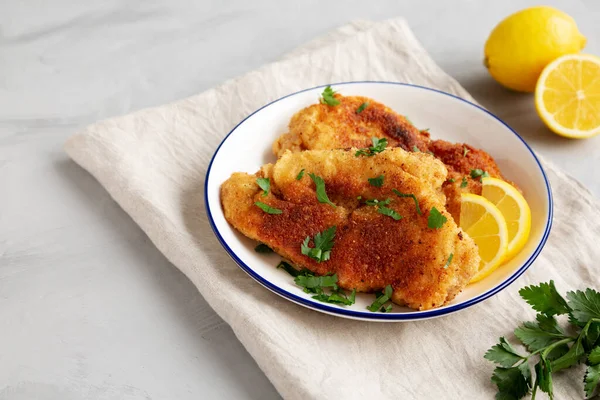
{"x":416,"y":315}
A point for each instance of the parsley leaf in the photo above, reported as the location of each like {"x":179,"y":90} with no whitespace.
{"x":545,"y":299}
{"x":503,"y":354}
{"x":382,"y":209}
{"x":320,"y":189}
{"x":465,"y":151}
{"x":409,"y":195}
{"x":451,"y":180}
{"x":585,"y":305}
{"x":592,"y":377}
{"x":267,"y":208}
{"x":378,"y":146}
{"x":436,"y":219}
{"x":476,"y":173}
{"x":511,"y":383}
{"x":464,"y":183}
{"x":263,"y":248}
{"x":450,"y":257}
{"x":536,"y":338}
{"x":377,"y":182}
{"x":362,"y":107}
{"x":594,"y":356}
{"x":312,"y":283}
{"x":327,"y":97}
{"x":416,"y":149}
{"x":381,"y":299}
{"x":323,"y":245}
{"x":409,"y":121}
{"x":425,"y":130}
{"x":389,"y":212}
{"x":300,"y":174}
{"x":265,"y":185}
{"x":386,"y":309}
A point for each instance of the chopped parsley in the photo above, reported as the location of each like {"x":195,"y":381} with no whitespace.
{"x":321,"y":193}
{"x":425,"y":130}
{"x":436,"y":219}
{"x":476,"y":173}
{"x":409,"y":195}
{"x":381,"y":299}
{"x":449,"y":260}
{"x":378,"y":146}
{"x":300,"y":174}
{"x":377,"y":182}
{"x":317,"y":285}
{"x":323,"y":245}
{"x":265,"y":185}
{"x":263,"y":248}
{"x":416,"y":149}
{"x":382,"y":209}
{"x":362,"y":107}
{"x":327,"y":97}
{"x":291,"y":270}
{"x":451,"y":180}
{"x":464,"y":182}
{"x":267,"y":208}
{"x":430,"y":153}
{"x":465,"y":151}
{"x":409,"y":121}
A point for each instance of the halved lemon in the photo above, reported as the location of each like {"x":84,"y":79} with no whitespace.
{"x":567,"y":96}
{"x":515,"y":210}
{"x":484,"y":222}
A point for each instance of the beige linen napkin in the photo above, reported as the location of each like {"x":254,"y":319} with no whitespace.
{"x":153,"y":163}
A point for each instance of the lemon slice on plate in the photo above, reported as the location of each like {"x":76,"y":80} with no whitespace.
{"x":484,"y":222}
{"x":515,"y":210}
{"x":567,"y":96}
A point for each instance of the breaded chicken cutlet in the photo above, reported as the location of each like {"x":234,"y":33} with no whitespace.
{"x":321,"y":126}
{"x":426,"y":267}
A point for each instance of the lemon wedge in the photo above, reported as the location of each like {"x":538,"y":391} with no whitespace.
{"x":515,"y":210}
{"x":567,"y":96}
{"x":485,"y":224}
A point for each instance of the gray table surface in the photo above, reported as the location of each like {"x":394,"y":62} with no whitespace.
{"x":89,"y":309}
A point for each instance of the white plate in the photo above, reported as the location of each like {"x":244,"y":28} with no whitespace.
{"x":248,"y":146}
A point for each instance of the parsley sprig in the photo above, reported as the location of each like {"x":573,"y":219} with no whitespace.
{"x":327,"y":97}
{"x":323,"y":245}
{"x":379,"y":145}
{"x":553,"y":347}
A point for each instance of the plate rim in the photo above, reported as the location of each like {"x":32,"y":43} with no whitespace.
{"x":361,"y":315}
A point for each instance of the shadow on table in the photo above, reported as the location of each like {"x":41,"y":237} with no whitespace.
{"x":184,"y":300}
{"x":516,"y":109}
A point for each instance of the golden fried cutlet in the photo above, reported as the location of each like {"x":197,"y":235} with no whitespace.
{"x":370,"y":250}
{"x":461,"y":159}
{"x":321,"y":126}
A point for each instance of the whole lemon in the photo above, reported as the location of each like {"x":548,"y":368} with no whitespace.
{"x":523,"y":43}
